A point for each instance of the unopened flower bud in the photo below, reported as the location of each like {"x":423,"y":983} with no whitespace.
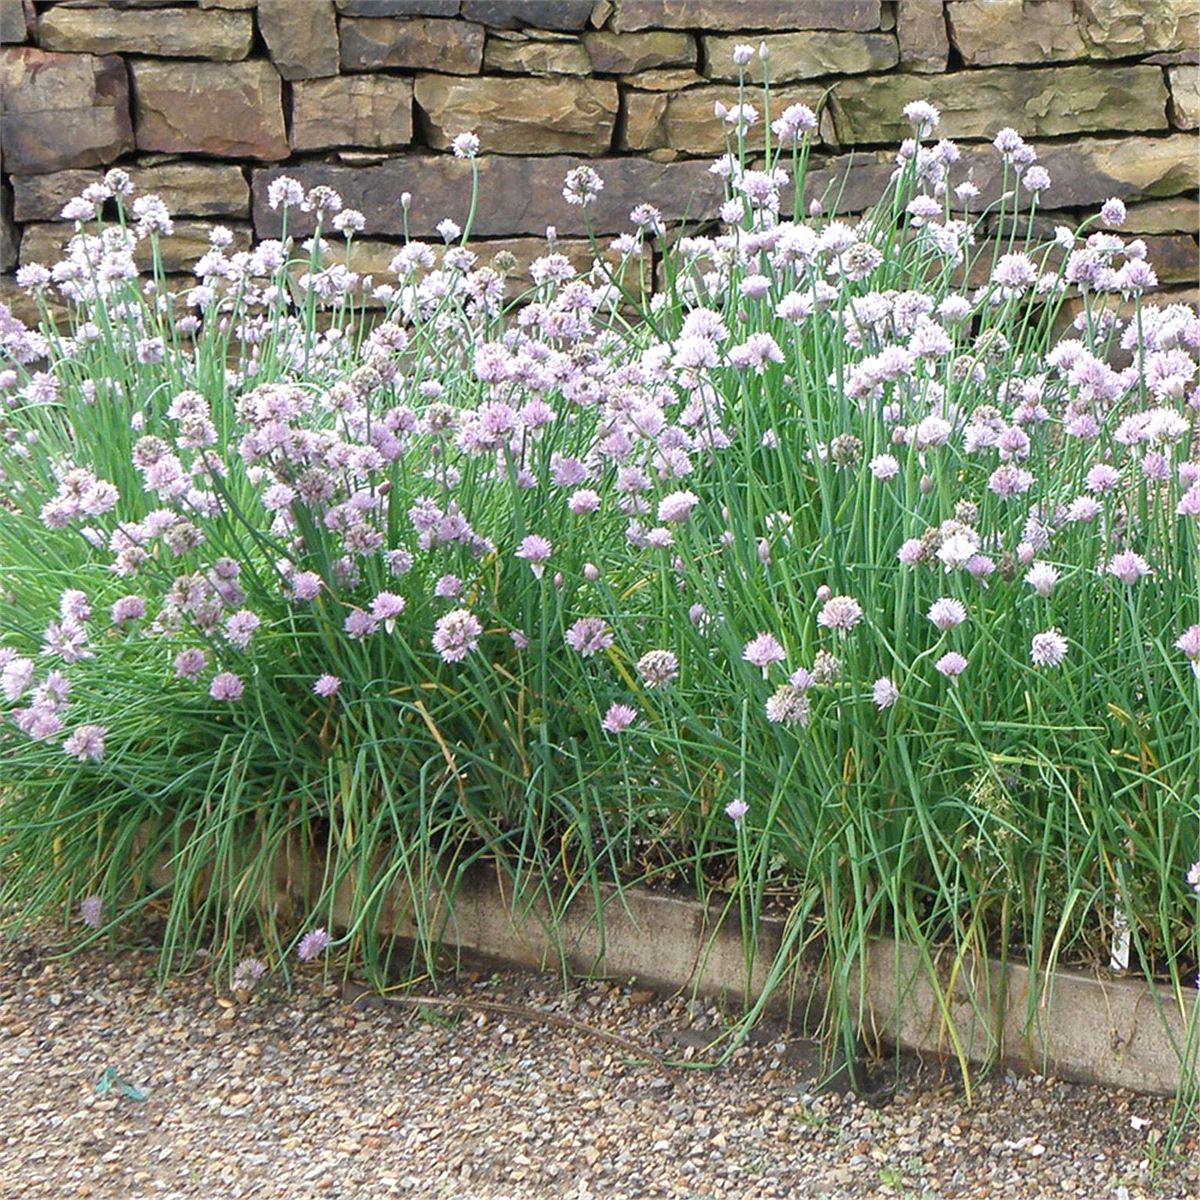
{"x":926,"y":484}
{"x":590,"y":572}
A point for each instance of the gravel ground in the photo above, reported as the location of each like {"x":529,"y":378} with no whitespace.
{"x":333,"y":1092}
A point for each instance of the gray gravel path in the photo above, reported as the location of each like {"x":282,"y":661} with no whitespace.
{"x":330,"y":1092}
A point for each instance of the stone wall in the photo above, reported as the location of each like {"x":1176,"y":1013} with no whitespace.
{"x":207,"y":101}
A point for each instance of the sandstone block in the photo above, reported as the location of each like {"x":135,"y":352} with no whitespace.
{"x":352,"y":110}
{"x":1045,"y":102}
{"x":540,"y":116}
{"x":806,"y":55}
{"x":1180,"y":215}
{"x":644,"y":113}
{"x":43,"y":243}
{"x":744,"y":15}
{"x":516,"y":195}
{"x":61,"y":110}
{"x":14,"y":26}
{"x":687,"y":122}
{"x":1185,"y":96}
{"x":301,"y":36}
{"x":987,"y":32}
{"x":924,"y":42}
{"x":181,"y":33}
{"x":518,"y":54}
{"x":1121,"y":28}
{"x":229,"y":110}
{"x":625,"y":53}
{"x":191,"y":189}
{"x":664,"y":79}
{"x":416,"y":43}
{"x":1086,"y":171}
{"x":570,"y":15}
{"x":398,"y":8}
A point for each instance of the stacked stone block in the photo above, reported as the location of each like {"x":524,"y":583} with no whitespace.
{"x":207,"y":101}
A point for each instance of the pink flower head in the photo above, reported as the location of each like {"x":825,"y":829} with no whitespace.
{"x":536,"y":550}
{"x":1128,"y":567}
{"x":951,"y":665}
{"x":1042,"y":577}
{"x":359,"y":624}
{"x":658,"y":667}
{"x":190,"y":663}
{"x":885,"y":467}
{"x":735,"y":810}
{"x":677,"y":507}
{"x":91,"y":911}
{"x":886,"y":693}
{"x":86,"y":743}
{"x":226,"y":686}
{"x":618,"y":718}
{"x":840,"y":613}
{"x":762,"y":651}
{"x":946,"y":613}
{"x":1193,"y":877}
{"x":588,"y":636}
{"x":1048,"y":649}
{"x":456,"y":634}
{"x":312,"y":944}
{"x":128,"y":608}
{"x":585,"y":500}
{"x":326,"y":685}
{"x":386,"y":607}
{"x":923,"y":116}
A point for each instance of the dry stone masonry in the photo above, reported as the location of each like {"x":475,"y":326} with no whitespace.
{"x":207,"y":101}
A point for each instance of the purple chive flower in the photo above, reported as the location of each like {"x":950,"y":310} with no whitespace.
{"x":676,"y":508}
{"x":448,"y":587}
{"x":190,"y":663}
{"x":456,"y":634}
{"x":585,"y":500}
{"x":1048,"y":649}
{"x":91,"y":911}
{"x":1112,"y":213}
{"x":1128,"y":567}
{"x":762,"y":651}
{"x":536,"y":550}
{"x":618,"y":718}
{"x":312,"y":944}
{"x":886,"y":693}
{"x":658,"y":667}
{"x":248,"y":973}
{"x":1193,"y":877}
{"x":326,"y":685}
{"x":840,"y":613}
{"x":306,"y":585}
{"x":951,"y":665}
{"x":240,"y":627}
{"x":788,"y":706}
{"x":735,"y":810}
{"x":946,"y":613}
{"x":1189,"y":642}
{"x":128,"y":608}
{"x":957,"y":551}
{"x":386,"y":607}
{"x":1042,"y":577}
{"x":519,"y":638}
{"x":86,"y":743}
{"x":911,"y":553}
{"x":1102,"y":478}
{"x":226,"y":686}
{"x":359,"y":624}
{"x":884,"y":467}
{"x":588,"y":636}
{"x":923,"y":116}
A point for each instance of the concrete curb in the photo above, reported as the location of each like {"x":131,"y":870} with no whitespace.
{"x":1118,"y":1033}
